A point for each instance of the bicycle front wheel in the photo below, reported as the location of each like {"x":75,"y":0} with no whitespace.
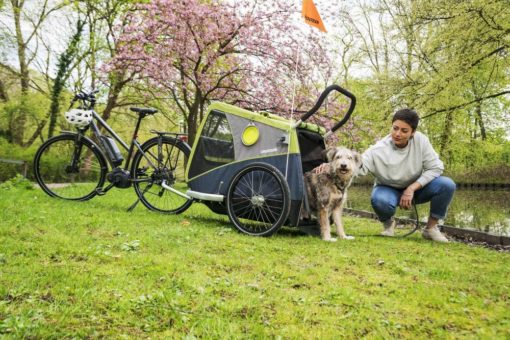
{"x":68,"y":169}
{"x":156,"y":164}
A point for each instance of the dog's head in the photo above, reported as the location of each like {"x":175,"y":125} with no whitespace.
{"x":344,"y":162}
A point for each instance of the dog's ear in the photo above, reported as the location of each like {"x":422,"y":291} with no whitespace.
{"x":329,"y":153}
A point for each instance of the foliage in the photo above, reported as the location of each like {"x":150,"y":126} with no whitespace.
{"x":449,"y":61}
{"x":196,"y":52}
{"x":478,"y":154}
{"x":33,"y":107}
{"x":14,"y":152}
{"x":64,"y":65}
{"x":17,"y":181}
{"x":368,"y":123}
{"x":444,"y":60}
{"x":193,"y":276}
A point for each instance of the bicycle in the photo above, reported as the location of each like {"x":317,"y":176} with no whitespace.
{"x":73,"y":166}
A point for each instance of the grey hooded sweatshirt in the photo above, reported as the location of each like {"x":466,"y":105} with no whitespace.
{"x":400,"y":167}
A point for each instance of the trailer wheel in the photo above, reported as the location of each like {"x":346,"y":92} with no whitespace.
{"x":258,"y":200}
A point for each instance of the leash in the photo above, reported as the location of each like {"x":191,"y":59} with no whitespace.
{"x":310,"y":226}
{"x":417,"y":222}
{"x":416,"y":227}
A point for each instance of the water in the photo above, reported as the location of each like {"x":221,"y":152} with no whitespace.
{"x":484,"y":210}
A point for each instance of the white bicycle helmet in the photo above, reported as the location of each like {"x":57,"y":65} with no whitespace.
{"x":80,"y":118}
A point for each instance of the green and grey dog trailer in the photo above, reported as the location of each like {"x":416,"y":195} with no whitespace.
{"x":250,"y":165}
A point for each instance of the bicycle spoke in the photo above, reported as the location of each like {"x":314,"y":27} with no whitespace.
{"x":168,"y":167}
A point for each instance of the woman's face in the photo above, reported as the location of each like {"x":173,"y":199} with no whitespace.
{"x":401,"y":132}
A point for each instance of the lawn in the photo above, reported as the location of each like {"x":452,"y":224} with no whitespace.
{"x":91,"y":269}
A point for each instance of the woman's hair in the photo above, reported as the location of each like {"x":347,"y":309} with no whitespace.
{"x":407,"y":115}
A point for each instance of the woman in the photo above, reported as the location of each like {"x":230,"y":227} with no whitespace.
{"x":407,"y":168}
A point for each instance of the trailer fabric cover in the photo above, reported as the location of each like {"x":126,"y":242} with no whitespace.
{"x":270,"y":141}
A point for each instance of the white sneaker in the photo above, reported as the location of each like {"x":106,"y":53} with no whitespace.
{"x":434,"y":234}
{"x":389,"y":228}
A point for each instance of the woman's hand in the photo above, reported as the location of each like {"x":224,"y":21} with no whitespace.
{"x":324,"y":167}
{"x":406,"y":200}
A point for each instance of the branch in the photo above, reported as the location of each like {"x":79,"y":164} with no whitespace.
{"x":176,"y":100}
{"x":220,"y":79}
{"x":10,"y":70}
{"x":42,"y":17}
{"x":477,"y":100}
{"x":500,"y":49}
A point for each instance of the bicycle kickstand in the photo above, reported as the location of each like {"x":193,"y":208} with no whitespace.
{"x":133,"y":206}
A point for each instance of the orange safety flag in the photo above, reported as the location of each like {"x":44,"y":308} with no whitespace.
{"x":311,"y":15}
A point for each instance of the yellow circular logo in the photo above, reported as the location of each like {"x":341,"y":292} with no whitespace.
{"x":250,"y":135}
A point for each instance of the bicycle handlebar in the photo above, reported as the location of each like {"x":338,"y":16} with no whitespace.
{"x":86,"y":97}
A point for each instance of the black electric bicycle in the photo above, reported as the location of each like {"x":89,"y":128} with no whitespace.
{"x":73,"y":166}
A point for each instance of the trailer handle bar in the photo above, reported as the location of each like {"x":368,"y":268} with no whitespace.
{"x":320,"y":101}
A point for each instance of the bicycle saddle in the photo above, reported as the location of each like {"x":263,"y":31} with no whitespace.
{"x":142,"y":110}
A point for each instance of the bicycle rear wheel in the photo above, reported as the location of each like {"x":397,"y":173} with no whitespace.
{"x":66,"y":169}
{"x":154,"y":165}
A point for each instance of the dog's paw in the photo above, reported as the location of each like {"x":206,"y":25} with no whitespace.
{"x":332,"y":239}
{"x":347,"y":237}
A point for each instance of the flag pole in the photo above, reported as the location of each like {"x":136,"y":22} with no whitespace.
{"x":291,"y":123}
{"x":311,"y":16}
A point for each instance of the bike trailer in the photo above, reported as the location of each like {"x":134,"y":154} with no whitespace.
{"x":250,"y":165}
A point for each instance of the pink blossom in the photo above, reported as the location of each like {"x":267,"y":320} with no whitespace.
{"x":243,"y":52}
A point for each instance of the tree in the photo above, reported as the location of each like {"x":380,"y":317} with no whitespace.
{"x":26,"y":28}
{"x":106,"y":21}
{"x":199,"y":51}
{"x":64,"y":64}
{"x":465,"y":58}
{"x":449,"y":61}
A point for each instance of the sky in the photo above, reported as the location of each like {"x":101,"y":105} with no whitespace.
{"x":58,"y":28}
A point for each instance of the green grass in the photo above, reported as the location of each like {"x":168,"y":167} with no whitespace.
{"x":91,"y":269}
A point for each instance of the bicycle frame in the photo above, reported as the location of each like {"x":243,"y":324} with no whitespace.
{"x":130,"y":149}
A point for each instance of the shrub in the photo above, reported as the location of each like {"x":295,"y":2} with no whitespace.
{"x":17,"y":181}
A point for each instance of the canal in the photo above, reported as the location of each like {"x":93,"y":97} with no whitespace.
{"x":484,"y":210}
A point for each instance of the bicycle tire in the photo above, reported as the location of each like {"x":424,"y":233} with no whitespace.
{"x":148,"y":176}
{"x":56,"y":175}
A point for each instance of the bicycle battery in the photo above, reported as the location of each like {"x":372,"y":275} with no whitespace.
{"x":112,"y":150}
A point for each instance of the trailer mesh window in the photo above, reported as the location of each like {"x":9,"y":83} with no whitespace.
{"x":215,"y":146}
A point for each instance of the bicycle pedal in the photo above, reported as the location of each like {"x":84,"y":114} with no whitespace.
{"x":100,"y":192}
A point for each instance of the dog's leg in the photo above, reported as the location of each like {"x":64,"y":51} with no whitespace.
{"x":325,"y":225}
{"x":337,"y":217}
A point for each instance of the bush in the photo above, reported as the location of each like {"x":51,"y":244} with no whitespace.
{"x":478,"y":161}
{"x":15,"y":152}
{"x":17,"y":181}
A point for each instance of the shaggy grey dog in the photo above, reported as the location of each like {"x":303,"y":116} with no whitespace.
{"x":327,"y":191}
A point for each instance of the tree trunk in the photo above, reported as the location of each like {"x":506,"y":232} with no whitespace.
{"x":18,"y":121}
{"x":3,"y":92}
{"x":195,"y":116}
{"x":191,"y":123}
{"x":37,"y":133}
{"x":446,"y":138}
{"x":113,"y":97}
{"x":92,"y":47}
{"x":479,"y":120}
